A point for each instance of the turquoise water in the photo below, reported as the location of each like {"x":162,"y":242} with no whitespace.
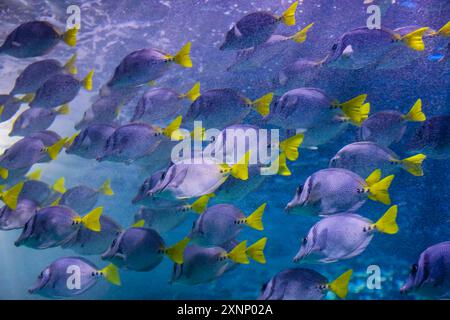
{"x":112,"y":29}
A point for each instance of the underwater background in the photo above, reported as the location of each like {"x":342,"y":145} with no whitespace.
{"x":112,"y":29}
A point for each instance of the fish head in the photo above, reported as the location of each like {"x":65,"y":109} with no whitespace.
{"x":27,"y":232}
{"x":309,"y":250}
{"x":42,"y":281}
{"x":409,"y":284}
{"x":231,"y":39}
{"x":300,"y":203}
{"x":150,"y":186}
{"x":80,"y":143}
{"x":114,"y":253}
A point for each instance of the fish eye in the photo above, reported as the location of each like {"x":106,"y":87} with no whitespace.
{"x":414,"y":267}
{"x":334,"y":47}
{"x":299,"y":189}
{"x":114,"y":243}
{"x":193,"y":225}
{"x":304,"y":241}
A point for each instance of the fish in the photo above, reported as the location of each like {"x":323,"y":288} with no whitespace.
{"x":36,"y":119}
{"x":334,"y":190}
{"x":36,"y":38}
{"x":362,"y":47}
{"x":304,"y":284}
{"x":296,"y":74}
{"x":90,"y":142}
{"x":145,"y":65}
{"x":88,"y":242}
{"x":164,"y":218}
{"x":134,"y":141}
{"x":203,"y":265}
{"x":38,"y":147}
{"x":106,"y":109}
{"x":54,"y":280}
{"x":53,"y":226}
{"x":256,"y":28}
{"x":223,"y":222}
{"x":343,"y":236}
{"x":83,"y":198}
{"x":36,"y":190}
{"x":432,"y":138}
{"x":59,"y":90}
{"x":219,"y":108}
{"x":430,"y":277}
{"x":303,"y":108}
{"x":365,"y":156}
{"x":196,"y":178}
{"x":37,"y":73}
{"x":142,"y":249}
{"x":272,"y":53}
{"x":9,"y":106}
{"x":387,"y":127}
{"x":158,"y":106}
{"x":16,"y":219}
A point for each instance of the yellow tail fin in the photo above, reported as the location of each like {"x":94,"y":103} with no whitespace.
{"x":192,"y":94}
{"x":138,"y":224}
{"x":414,"y":39}
{"x":87,"y":81}
{"x":340,"y":285}
{"x":2,"y":108}
{"x":356,"y":109}
{"x":54,"y":149}
{"x":106,"y":188}
{"x":64,"y":109}
{"x":11,"y":196}
{"x":27,"y":98}
{"x":414,"y":164}
{"x":92,"y":220}
{"x":374,"y":177}
{"x":58,"y":186}
{"x":70,"y":140}
{"x":283,"y":169}
{"x":175,"y":253}
{"x":111,"y":273}
{"x":183,"y":56}
{"x":288,"y":16}
{"x":199,"y":206}
{"x":71,"y":66}
{"x":70,"y":37}
{"x":255,"y":219}
{"x":4,"y":173}
{"x":256,"y":250}
{"x":238,"y":254}
{"x":379,"y":191}
{"x":416,"y":114}
{"x":445,"y":30}
{"x":56,"y":202}
{"x":262,"y":105}
{"x":387,"y":223}
{"x":300,"y":36}
{"x":290,"y":146}
{"x":240,"y":169}
{"x":172,"y":130}
{"x":35,"y":175}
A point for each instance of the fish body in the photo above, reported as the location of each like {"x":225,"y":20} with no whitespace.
{"x":329,"y":191}
{"x":432,"y":138}
{"x":10,"y":106}
{"x":31,"y":39}
{"x":16,"y":219}
{"x":295,"y":284}
{"x":56,"y":91}
{"x":88,"y":242}
{"x":33,"y":120}
{"x":80,"y":198}
{"x":91,"y":141}
{"x":164,"y":218}
{"x":49,"y":227}
{"x":383,"y":128}
{"x":57,"y":280}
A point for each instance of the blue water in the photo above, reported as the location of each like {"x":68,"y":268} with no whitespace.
{"x":112,"y":29}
